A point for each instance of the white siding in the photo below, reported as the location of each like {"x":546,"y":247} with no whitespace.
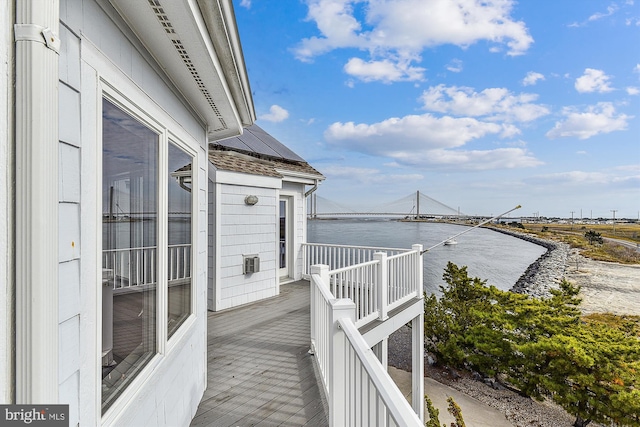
{"x":97,"y":45}
{"x":69,"y":251}
{"x":246,"y":230}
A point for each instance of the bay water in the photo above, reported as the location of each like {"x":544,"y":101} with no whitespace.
{"x":495,"y":257}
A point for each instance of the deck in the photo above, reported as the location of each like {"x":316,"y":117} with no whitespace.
{"x":259,"y":369}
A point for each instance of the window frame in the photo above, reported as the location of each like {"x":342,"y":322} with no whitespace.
{"x":141,"y":108}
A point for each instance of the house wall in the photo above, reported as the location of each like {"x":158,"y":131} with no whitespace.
{"x":243,"y":230}
{"x":97,"y":50}
{"x":236,"y":229}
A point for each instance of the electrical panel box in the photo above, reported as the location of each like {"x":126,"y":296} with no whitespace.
{"x":250,"y":264}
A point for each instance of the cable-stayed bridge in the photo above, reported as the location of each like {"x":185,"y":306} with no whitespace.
{"x":415,"y":205}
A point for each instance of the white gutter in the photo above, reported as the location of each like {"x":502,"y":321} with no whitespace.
{"x":312,"y":189}
{"x":36,"y":209}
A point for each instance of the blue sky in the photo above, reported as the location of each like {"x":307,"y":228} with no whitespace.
{"x":481,"y":105}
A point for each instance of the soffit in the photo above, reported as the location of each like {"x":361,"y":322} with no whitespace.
{"x":176,"y":35}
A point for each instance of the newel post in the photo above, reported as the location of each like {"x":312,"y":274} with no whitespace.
{"x":420,"y":272}
{"x":338,"y":394}
{"x":383,"y":284}
{"x":322,"y":271}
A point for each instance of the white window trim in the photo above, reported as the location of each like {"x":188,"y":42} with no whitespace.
{"x":138,"y":106}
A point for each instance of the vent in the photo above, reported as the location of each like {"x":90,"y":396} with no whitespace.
{"x":250,"y":264}
{"x":163,"y":19}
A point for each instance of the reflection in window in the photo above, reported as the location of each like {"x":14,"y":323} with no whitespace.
{"x":179,"y":251}
{"x":129,"y":236}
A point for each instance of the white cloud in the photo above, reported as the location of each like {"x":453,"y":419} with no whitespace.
{"x":385,"y":71}
{"x":368,"y":176}
{"x":411,"y":132}
{"x":492,"y":103}
{"x":575,"y":178}
{"x":455,"y":66}
{"x":500,"y":158}
{"x":599,"y":15}
{"x":597,"y":119}
{"x":532,"y":78}
{"x":636,"y":69}
{"x":399,"y":30}
{"x":632,"y":90}
{"x":245,"y":3}
{"x":593,"y":81}
{"x":428,"y":141}
{"x":276,"y":114}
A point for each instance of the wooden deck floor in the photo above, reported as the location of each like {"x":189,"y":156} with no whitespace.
{"x":259,"y":369}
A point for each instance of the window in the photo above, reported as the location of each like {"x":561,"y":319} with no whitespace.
{"x":179,"y":250}
{"x":147,"y":211}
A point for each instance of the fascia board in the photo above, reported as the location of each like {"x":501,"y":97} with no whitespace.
{"x":300,"y":177}
{"x":238,"y":178}
{"x":221,"y":23}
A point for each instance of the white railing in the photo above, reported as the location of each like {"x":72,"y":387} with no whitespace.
{"x":339,"y":256}
{"x":358,"y":389}
{"x":132,"y":267}
{"x":380,"y":285}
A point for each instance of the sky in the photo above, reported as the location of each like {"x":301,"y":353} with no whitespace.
{"x":479,"y":104}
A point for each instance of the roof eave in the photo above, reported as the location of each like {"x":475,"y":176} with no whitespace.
{"x":220,"y":19}
{"x":207,"y":67}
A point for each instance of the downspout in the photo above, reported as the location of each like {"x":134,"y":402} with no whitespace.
{"x":311,"y":190}
{"x":36,"y":204}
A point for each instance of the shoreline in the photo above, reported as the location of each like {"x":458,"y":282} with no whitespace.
{"x":546,"y":272}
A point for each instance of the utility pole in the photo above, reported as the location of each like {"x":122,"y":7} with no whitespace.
{"x":572,"y":220}
{"x":614,"y":220}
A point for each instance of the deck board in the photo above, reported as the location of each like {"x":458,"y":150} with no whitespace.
{"x":259,"y":370}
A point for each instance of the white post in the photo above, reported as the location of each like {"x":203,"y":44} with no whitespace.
{"x":323,"y":272}
{"x":420,"y":271}
{"x":381,"y":350}
{"x":341,"y":309}
{"x":36,"y":226}
{"x":383,"y":284}
{"x":417,"y":361}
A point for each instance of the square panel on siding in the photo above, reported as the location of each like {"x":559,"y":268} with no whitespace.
{"x":69,"y":63}
{"x":69,"y":176}
{"x":68,"y":395}
{"x":68,"y":231}
{"x":68,"y":348}
{"x":69,"y":115}
{"x":69,"y":290}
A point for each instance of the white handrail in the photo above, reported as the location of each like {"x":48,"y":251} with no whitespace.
{"x":379,"y":285}
{"x":358,"y":389}
{"x":382,"y":404}
{"x":340,"y":256}
{"x":133,"y":267}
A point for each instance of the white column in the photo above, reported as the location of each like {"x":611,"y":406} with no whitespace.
{"x":6,"y":203}
{"x":383,"y":284}
{"x":323,"y":272}
{"x":417,"y":361}
{"x":36,"y":145}
{"x":419,"y":271}
{"x":342,"y":309}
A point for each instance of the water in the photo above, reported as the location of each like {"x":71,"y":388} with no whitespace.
{"x":491,"y":256}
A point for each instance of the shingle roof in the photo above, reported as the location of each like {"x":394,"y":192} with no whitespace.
{"x":258,"y":153}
